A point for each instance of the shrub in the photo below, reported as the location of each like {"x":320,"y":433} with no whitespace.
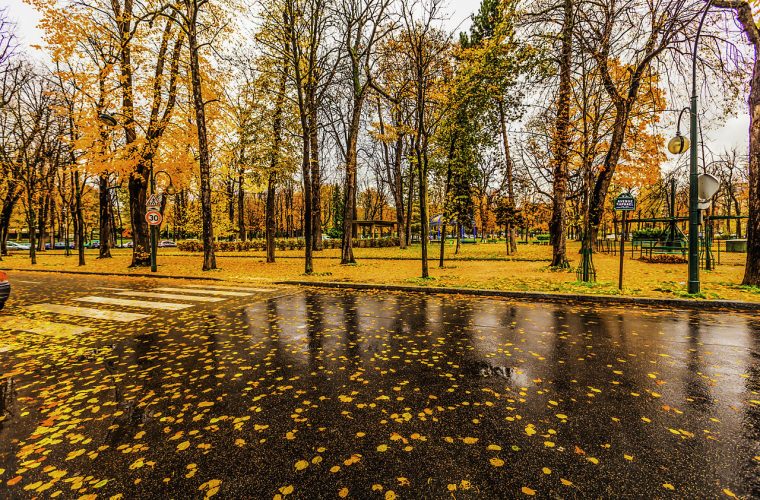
{"x":259,"y":244}
{"x":665,"y":259}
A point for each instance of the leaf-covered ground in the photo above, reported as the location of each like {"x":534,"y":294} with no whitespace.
{"x":475,"y":267}
{"x":381,"y":395}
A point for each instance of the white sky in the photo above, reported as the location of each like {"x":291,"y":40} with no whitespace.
{"x":732,"y":133}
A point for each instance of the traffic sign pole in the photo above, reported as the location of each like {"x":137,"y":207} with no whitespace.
{"x":622,"y":250}
{"x":625,"y":203}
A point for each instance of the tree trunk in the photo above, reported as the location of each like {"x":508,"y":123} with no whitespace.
{"x":398,"y":193}
{"x":105,"y":217}
{"x":458,"y":238}
{"x":752,"y":268}
{"x":316,"y":176}
{"x":31,"y":221}
{"x":738,"y":221}
{"x":562,"y":144}
{"x":409,"y":202}
{"x":424,"y":222}
{"x":509,"y":177}
{"x":11,"y":198}
{"x":41,"y":220}
{"x":79,"y":214}
{"x":270,"y":215}
{"x":442,"y":224}
{"x":209,"y":258}
{"x":349,"y":207}
{"x":242,"y":233}
{"x":138,"y":180}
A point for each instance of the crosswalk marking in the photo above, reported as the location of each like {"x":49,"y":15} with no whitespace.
{"x":238,"y":288}
{"x":87,"y":312}
{"x":169,"y":306}
{"x":171,"y":296}
{"x":205,"y":291}
{"x":42,"y":327}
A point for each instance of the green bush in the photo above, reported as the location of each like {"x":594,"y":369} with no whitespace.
{"x":651,"y":233}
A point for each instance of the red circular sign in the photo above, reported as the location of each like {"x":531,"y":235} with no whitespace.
{"x":153,"y":217}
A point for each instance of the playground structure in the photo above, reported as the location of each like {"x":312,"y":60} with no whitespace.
{"x":376,"y":227}
{"x":437,"y":222}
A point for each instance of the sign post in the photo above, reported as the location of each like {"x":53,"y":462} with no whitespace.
{"x":625,"y":203}
{"x":153,"y":217}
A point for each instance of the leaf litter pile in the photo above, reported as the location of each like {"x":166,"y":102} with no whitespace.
{"x":383,"y":395}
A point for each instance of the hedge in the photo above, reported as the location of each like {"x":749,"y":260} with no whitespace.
{"x":651,"y":233}
{"x":259,"y":244}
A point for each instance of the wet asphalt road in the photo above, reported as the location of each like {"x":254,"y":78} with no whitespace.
{"x":321,"y":394}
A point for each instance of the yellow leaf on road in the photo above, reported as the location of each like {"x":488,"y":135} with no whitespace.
{"x":528,"y":491}
{"x":301,"y":464}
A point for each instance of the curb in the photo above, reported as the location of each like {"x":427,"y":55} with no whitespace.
{"x":712,"y":305}
{"x":93,"y":273}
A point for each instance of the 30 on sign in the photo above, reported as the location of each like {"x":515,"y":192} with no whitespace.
{"x":153,"y":217}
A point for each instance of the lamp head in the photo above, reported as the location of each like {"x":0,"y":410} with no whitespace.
{"x":170,"y":190}
{"x":108,"y":119}
{"x":707,"y":186}
{"x":678,"y":144}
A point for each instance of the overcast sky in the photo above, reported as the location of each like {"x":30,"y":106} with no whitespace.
{"x":733,"y":132}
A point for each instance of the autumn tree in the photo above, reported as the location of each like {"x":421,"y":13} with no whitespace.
{"x":426,"y":48}
{"x":649,"y":29}
{"x":743,"y":10}
{"x":363,"y":24}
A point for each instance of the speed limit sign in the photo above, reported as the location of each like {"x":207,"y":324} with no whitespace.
{"x":153,"y":217}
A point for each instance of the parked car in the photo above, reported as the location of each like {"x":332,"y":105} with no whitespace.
{"x":13,"y":245}
{"x":94,"y":244}
{"x":59,"y":245}
{"x":166,"y":244}
{"x":5,"y":289}
{"x":129,"y":244}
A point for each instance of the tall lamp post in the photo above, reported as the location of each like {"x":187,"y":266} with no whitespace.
{"x":678,"y":145}
{"x":110,"y":120}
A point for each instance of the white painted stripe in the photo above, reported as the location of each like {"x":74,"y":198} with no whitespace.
{"x":205,"y":291}
{"x":238,"y":288}
{"x":26,"y":281}
{"x":171,"y":296}
{"x":87,"y":312}
{"x":42,"y":327}
{"x":169,"y":306}
{"x":114,"y":289}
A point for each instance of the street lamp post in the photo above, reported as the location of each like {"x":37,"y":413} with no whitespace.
{"x":680,"y":144}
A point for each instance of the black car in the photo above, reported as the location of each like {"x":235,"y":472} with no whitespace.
{"x":5,"y":289}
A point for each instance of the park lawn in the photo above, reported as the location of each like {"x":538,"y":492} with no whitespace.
{"x":529,"y":272}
